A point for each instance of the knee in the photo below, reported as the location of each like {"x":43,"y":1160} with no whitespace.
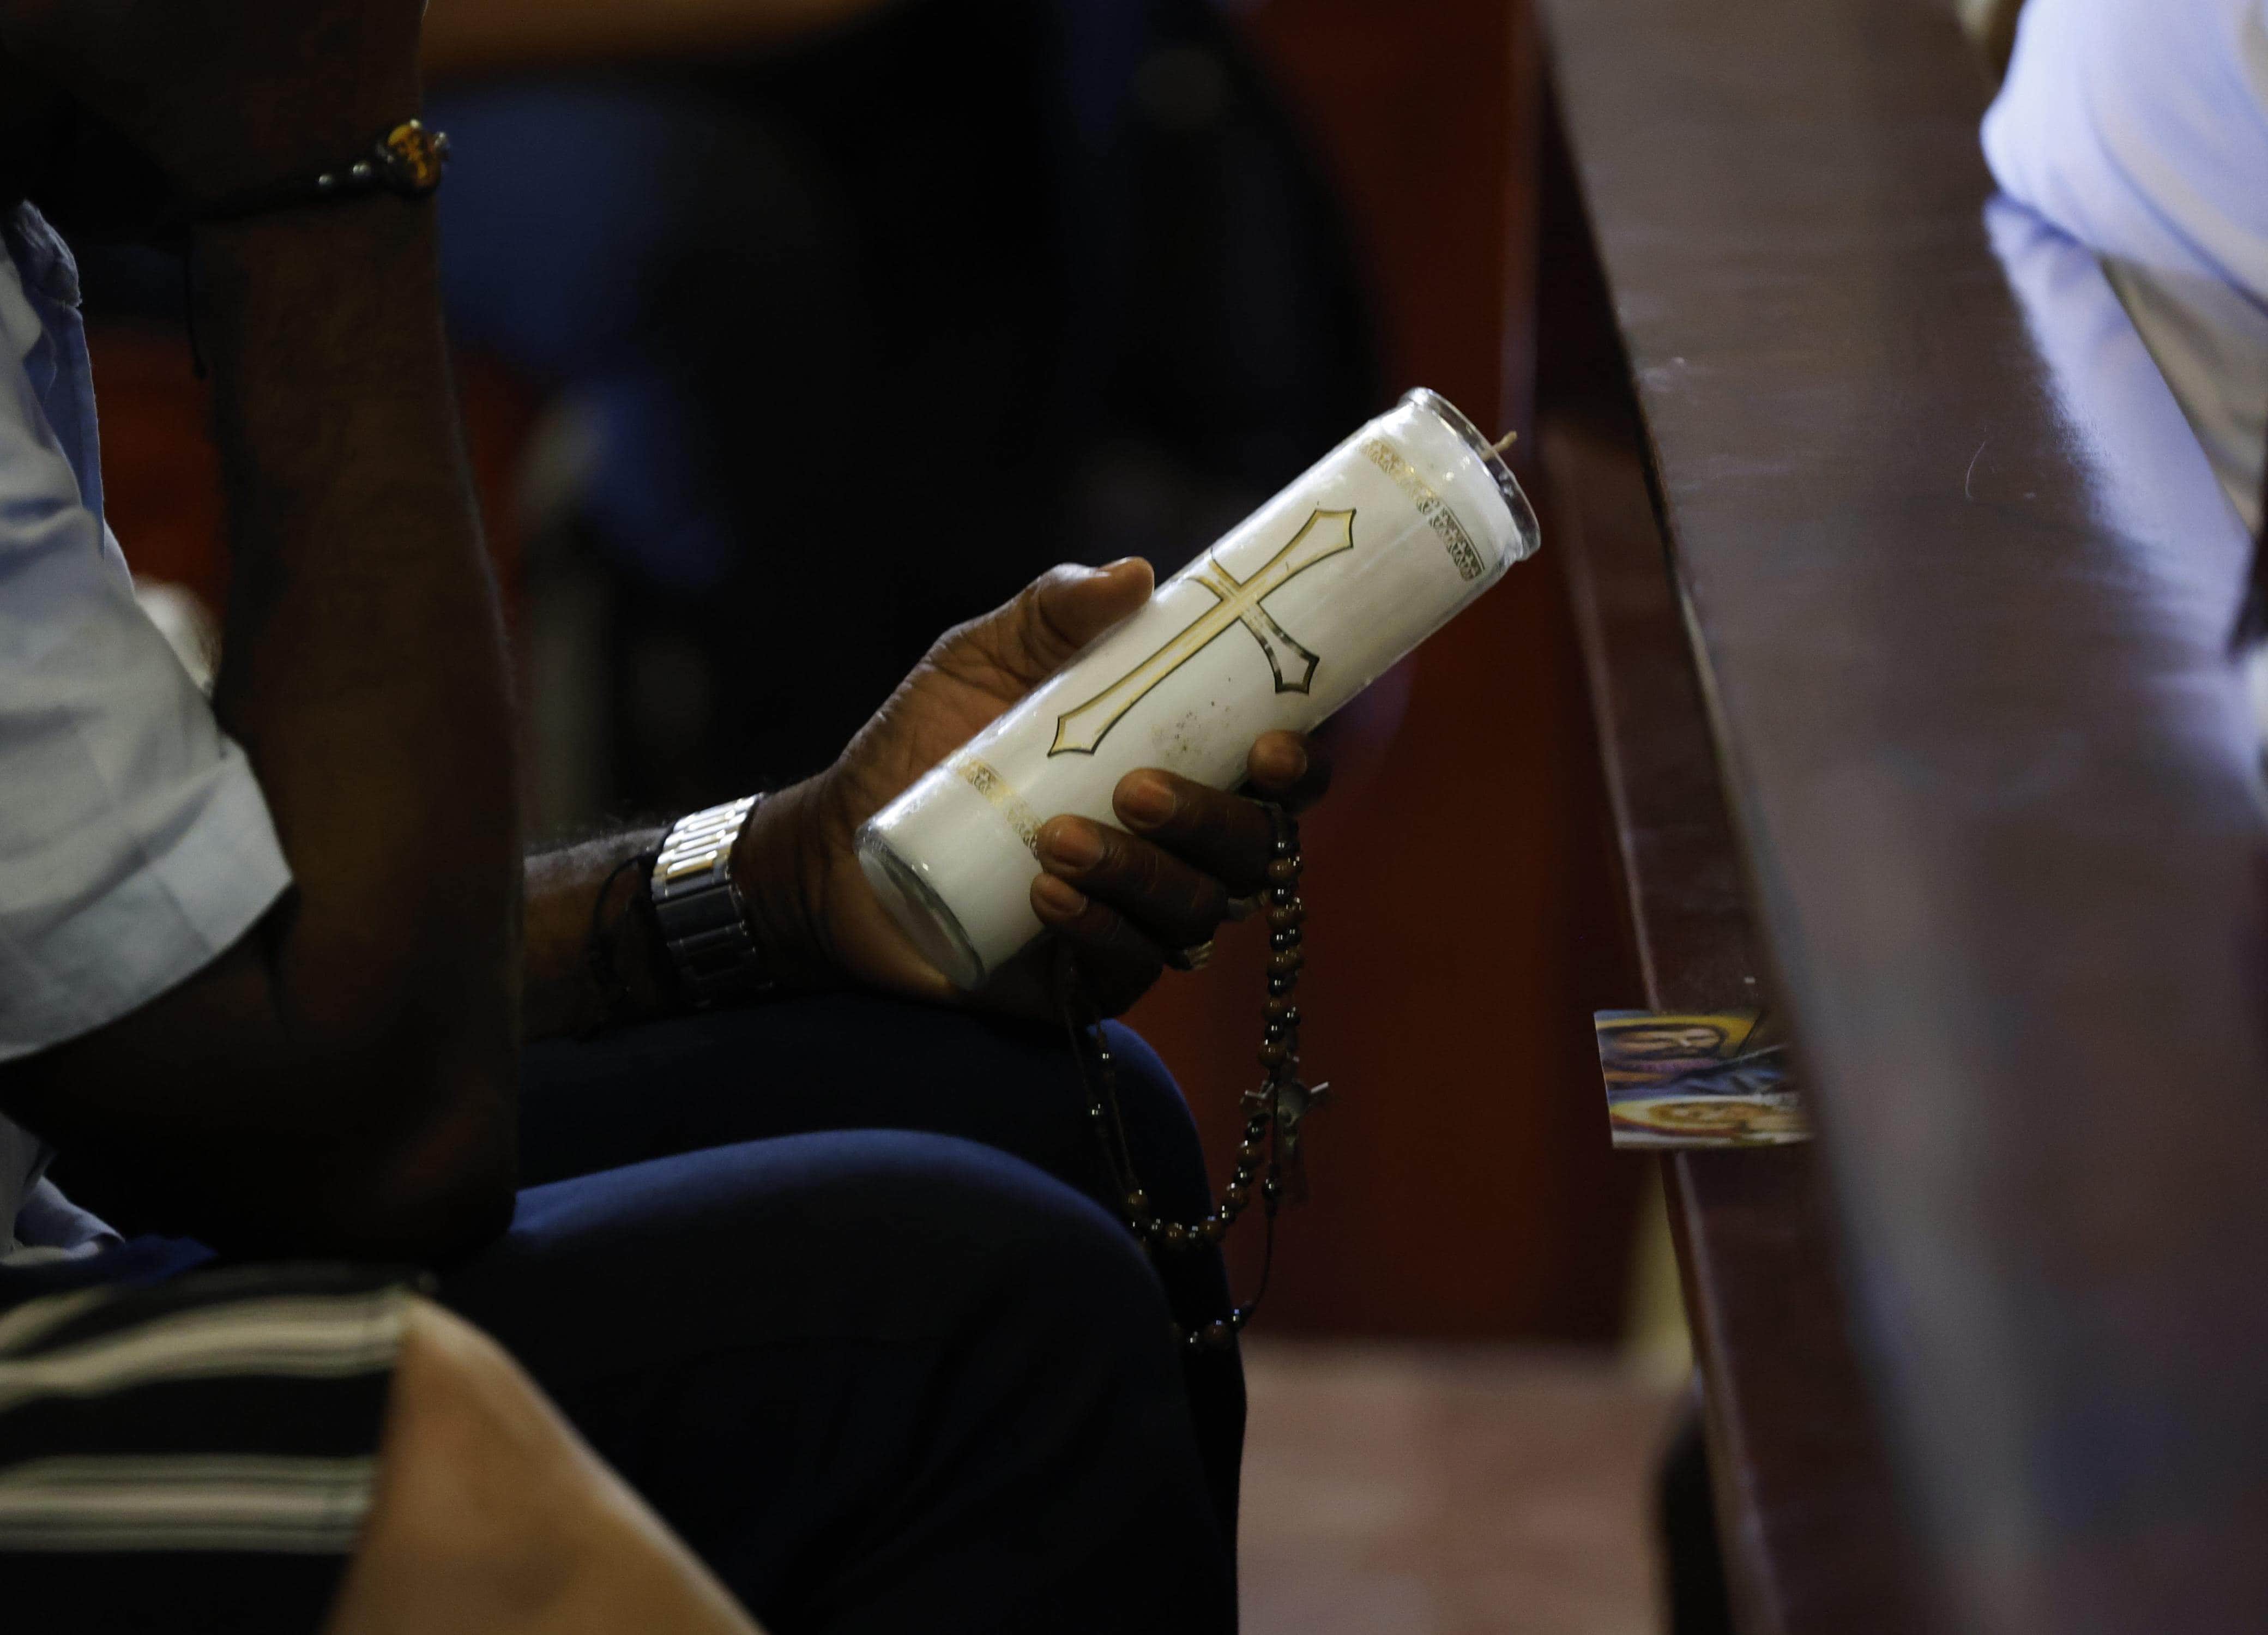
{"x":1147,"y":1091}
{"x":1168,"y":1156}
{"x":952,"y":1256}
{"x":884,"y":1235}
{"x":1050,"y":1310}
{"x":992,"y":1235}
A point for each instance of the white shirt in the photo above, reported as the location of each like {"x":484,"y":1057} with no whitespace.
{"x":134,"y":843}
{"x":2140,"y":128}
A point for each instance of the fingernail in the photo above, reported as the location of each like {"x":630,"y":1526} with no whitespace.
{"x":1052,"y":899}
{"x":1074,"y":845}
{"x":1294,"y":763}
{"x":1146,"y":802}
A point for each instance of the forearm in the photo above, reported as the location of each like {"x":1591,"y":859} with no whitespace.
{"x":365,"y":671}
{"x":342,"y":1079}
{"x":592,"y":957}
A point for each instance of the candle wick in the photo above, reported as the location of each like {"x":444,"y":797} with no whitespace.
{"x":1504,"y":442}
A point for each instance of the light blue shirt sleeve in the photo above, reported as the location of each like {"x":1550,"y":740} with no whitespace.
{"x":2139,"y":127}
{"x":134,"y":843}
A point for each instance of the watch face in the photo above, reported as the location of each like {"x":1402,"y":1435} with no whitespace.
{"x":413,"y":156}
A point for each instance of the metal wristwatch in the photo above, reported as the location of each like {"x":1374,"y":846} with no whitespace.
{"x":702,"y":921}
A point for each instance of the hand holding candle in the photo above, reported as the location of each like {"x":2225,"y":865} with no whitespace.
{"x":1147,"y":889}
{"x":1274,"y":628}
{"x":1063,"y":762}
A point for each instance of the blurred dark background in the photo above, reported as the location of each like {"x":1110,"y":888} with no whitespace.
{"x":793,"y":333}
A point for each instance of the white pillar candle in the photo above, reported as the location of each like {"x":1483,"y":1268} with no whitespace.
{"x":1282,"y":620}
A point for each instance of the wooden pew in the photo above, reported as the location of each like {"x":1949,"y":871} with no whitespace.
{"x":1905,"y":595}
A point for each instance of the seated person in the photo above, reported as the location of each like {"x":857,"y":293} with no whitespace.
{"x":835,"y":1282}
{"x":2139,"y":127}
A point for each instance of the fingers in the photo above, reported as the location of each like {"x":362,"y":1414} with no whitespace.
{"x":1117,"y":962}
{"x":1186,"y":849}
{"x":1034,"y":636}
{"x":1165,"y":900}
{"x":1067,"y":607}
{"x":1122,"y":897}
{"x":1220,"y":835}
{"x":1292,"y":770}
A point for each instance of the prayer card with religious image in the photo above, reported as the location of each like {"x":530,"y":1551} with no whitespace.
{"x":1698,"y":1079}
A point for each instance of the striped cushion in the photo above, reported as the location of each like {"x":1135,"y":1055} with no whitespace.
{"x":211,"y":1430}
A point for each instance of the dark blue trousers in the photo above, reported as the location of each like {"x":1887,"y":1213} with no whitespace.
{"x":838,"y":1284}
{"x":833,"y":1283}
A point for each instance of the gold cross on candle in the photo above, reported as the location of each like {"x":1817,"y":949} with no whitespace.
{"x":1324,"y":534}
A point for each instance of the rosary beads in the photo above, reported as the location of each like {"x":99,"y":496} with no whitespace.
{"x":1267,"y":1160}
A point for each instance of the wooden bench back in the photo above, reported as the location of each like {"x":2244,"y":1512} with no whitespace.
{"x":1940,"y":617}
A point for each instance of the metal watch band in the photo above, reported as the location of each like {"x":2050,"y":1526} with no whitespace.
{"x":717,"y":955}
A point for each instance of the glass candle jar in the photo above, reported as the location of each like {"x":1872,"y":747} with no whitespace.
{"x":1277,"y":625}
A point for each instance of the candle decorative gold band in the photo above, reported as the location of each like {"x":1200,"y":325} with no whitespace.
{"x":987,"y":782}
{"x":1429,"y":505}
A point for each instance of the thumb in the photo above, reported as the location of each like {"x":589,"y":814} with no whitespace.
{"x":1057,"y":614}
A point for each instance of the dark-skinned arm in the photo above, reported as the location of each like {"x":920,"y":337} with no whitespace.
{"x":1121,"y":895}
{"x":342,"y":1080}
